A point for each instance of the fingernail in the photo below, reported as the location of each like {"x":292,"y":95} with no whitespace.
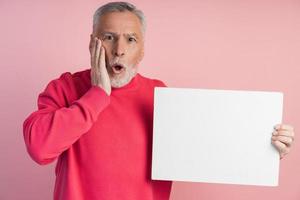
{"x":277,"y":127}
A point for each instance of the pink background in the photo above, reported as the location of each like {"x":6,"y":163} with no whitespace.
{"x":246,"y":44}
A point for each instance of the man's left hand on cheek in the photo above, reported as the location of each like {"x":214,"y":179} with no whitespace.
{"x":283,"y":138}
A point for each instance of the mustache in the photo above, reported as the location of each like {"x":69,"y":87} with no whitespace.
{"x":115,"y":62}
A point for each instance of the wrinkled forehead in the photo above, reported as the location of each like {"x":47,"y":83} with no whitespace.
{"x":119,"y":22}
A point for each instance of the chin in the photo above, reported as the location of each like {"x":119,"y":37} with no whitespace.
{"x":120,"y":80}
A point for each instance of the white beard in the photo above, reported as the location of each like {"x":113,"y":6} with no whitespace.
{"x":117,"y":81}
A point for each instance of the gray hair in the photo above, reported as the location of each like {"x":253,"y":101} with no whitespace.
{"x":119,"y":7}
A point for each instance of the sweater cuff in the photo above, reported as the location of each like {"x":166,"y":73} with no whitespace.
{"x":96,"y":99}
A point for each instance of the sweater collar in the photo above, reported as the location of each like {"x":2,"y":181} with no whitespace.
{"x":133,"y":83}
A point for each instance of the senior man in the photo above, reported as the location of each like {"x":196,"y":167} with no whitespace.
{"x":98,"y":122}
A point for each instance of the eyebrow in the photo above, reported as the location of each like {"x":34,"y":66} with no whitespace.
{"x":112,"y":33}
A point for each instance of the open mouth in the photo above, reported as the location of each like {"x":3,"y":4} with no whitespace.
{"x":118,"y":68}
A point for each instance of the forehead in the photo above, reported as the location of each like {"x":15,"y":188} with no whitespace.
{"x":120,"y":22}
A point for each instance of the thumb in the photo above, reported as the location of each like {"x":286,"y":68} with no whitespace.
{"x":102,"y":63}
{"x":103,"y":71}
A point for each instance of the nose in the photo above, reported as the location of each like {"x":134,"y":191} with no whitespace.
{"x":119,"y":49}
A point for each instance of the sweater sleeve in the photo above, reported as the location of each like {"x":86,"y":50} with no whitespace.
{"x":55,"y":126}
{"x":159,"y":83}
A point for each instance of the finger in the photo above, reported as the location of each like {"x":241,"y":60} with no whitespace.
{"x":284,"y":139}
{"x":281,"y":147}
{"x":93,"y":52}
{"x":91,"y":44}
{"x":284,"y":127}
{"x":284,"y":133}
{"x":95,"y":43}
{"x":97,"y":54}
{"x":102,"y":64}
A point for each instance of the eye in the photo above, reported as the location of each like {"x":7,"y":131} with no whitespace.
{"x":131,"y":39}
{"x":108,"y":37}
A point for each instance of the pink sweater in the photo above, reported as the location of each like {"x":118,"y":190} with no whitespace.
{"x":103,"y":143}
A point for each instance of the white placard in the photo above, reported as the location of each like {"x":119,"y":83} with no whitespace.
{"x":215,"y":136}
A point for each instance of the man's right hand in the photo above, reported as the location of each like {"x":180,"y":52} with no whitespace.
{"x":99,"y":74}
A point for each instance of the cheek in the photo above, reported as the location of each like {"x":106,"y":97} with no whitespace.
{"x":138,"y":54}
{"x":106,"y":46}
{"x":108,"y":50}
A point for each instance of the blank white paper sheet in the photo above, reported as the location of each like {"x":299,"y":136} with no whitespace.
{"x":215,"y":136}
